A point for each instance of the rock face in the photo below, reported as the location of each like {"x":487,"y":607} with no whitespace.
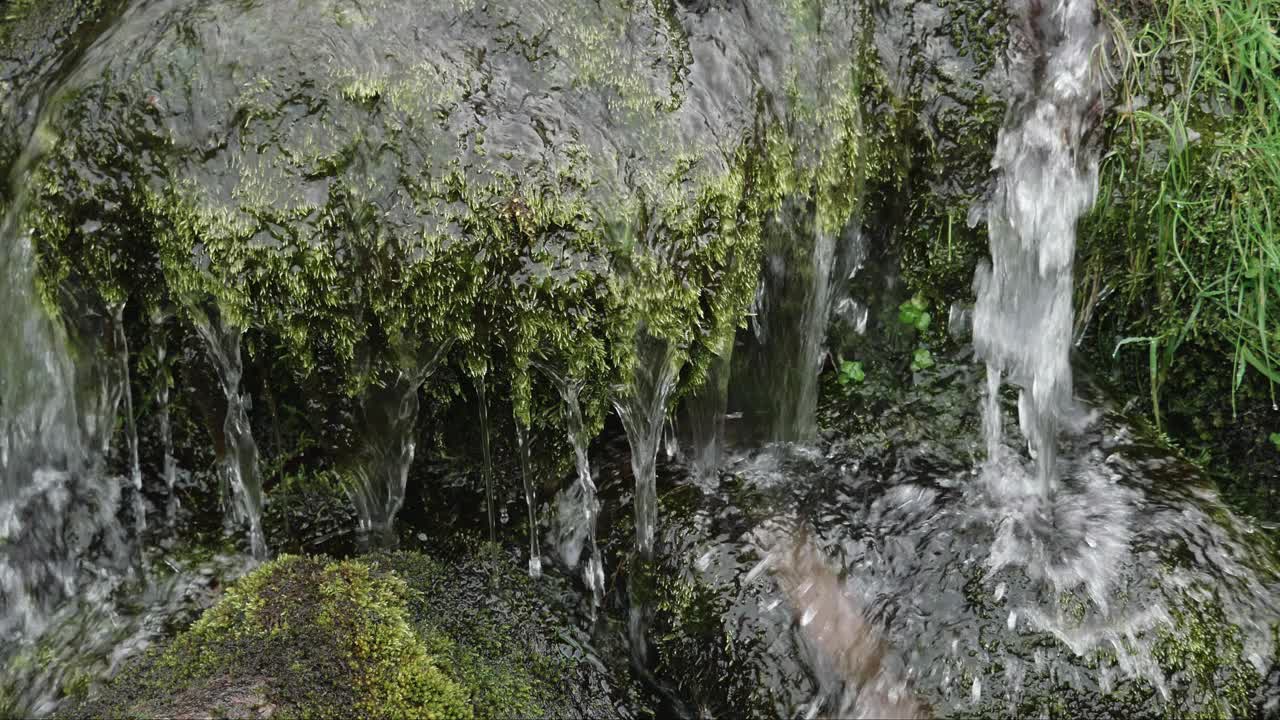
{"x":360,"y":186}
{"x":353,"y":199}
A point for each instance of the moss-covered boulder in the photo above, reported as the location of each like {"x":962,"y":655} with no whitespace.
{"x":357,"y":187}
{"x":397,"y":635}
{"x":297,"y":637}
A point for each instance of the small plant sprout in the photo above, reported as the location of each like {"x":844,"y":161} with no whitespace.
{"x":851,"y":373}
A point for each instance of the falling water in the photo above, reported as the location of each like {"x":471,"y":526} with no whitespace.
{"x":705,"y":412}
{"x":121,"y":345}
{"x":530,"y":497}
{"x":56,"y":420}
{"x":170,"y":467}
{"x":579,"y":507}
{"x":642,"y":405}
{"x":240,"y":464}
{"x":389,"y":416}
{"x":1048,"y":178}
{"x":805,"y":267}
{"x":482,"y":399}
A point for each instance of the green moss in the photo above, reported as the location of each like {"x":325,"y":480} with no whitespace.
{"x":491,"y":648}
{"x":1204,"y":654}
{"x":312,"y":637}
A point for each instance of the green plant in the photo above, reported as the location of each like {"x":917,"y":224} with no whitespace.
{"x":1185,"y":231}
{"x":1275,"y":439}
{"x":851,"y":372}
{"x":914,"y":312}
{"x":922,"y":359}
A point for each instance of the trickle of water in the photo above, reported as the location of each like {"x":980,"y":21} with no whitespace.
{"x":705,"y":412}
{"x":388,"y":416}
{"x":530,"y":498}
{"x":804,"y":272}
{"x":121,"y":346}
{"x":240,"y":465}
{"x":482,"y":399}
{"x":1048,"y":178}
{"x":170,"y":466}
{"x":579,"y":507}
{"x":642,"y":405}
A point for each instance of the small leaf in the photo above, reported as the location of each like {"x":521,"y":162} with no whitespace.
{"x":851,"y":372}
{"x":908,"y":314}
{"x":1275,"y":439}
{"x":921,"y":359}
{"x":922,"y":322}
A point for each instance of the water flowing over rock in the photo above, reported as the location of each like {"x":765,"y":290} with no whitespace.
{"x":530,"y":497}
{"x":642,"y":405}
{"x":388,"y":424}
{"x":579,"y":508}
{"x":1048,"y":179}
{"x":240,"y":471}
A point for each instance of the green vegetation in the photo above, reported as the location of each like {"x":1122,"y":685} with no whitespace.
{"x":851,"y":372}
{"x":1182,"y":253}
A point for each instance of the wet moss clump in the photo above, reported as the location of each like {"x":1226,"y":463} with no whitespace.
{"x":306,"y":637}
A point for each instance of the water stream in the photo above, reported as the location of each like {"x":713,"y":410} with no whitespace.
{"x":486,"y":456}
{"x":240,"y":470}
{"x":121,"y":345}
{"x":1047,"y":179}
{"x":388,"y":421}
{"x":579,"y":509}
{"x":642,"y":405}
{"x":530,"y":497}
{"x":169,"y":464}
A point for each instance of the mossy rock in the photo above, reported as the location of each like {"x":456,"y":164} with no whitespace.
{"x":397,"y":635}
{"x":354,"y":213}
{"x":306,"y":637}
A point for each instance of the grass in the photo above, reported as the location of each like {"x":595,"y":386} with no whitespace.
{"x":1189,"y":189}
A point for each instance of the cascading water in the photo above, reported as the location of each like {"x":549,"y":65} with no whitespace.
{"x":388,"y":418}
{"x":1048,"y":178}
{"x":121,"y":346}
{"x":704,"y":413}
{"x":240,"y":463}
{"x":530,"y":497}
{"x":805,"y":270}
{"x":168,"y":462}
{"x":486,"y":456}
{"x":642,"y":405}
{"x":579,"y":508}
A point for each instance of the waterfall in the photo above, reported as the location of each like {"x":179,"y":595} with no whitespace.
{"x":705,"y":410}
{"x":170,"y":467}
{"x":388,"y":416}
{"x":530,"y":497}
{"x":1048,"y":178}
{"x":579,"y":508}
{"x":240,"y":463}
{"x":120,"y":344}
{"x":642,"y":405}
{"x":804,"y":272}
{"x":483,"y":400}
{"x":56,"y":420}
